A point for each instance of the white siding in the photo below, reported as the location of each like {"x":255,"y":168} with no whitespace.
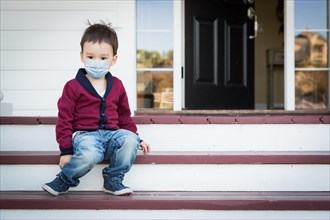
{"x":40,"y":49}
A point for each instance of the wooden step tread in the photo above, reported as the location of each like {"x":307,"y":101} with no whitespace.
{"x":169,"y":200}
{"x":184,"y":157}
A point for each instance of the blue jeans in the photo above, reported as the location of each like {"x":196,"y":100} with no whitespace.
{"x":92,"y":147}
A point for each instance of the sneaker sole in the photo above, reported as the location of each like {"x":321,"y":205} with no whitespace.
{"x":123,"y":192}
{"x":51,"y":191}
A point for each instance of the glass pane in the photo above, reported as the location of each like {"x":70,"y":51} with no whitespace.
{"x":155,"y":14}
{"x":154,"y":50}
{"x":311,"y":49}
{"x":310,"y":14}
{"x":155,"y":90}
{"x":311,"y":89}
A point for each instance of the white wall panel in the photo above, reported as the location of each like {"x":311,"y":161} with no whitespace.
{"x":41,"y":38}
{"x":32,"y":99}
{"x":40,"y":60}
{"x":52,"y":20}
{"x":48,"y":79}
{"x":63,"y":5}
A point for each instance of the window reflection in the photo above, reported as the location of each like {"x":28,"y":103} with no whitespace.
{"x":311,"y":49}
{"x":155,"y":89}
{"x":154,"y":55}
{"x":311,"y":89}
{"x":149,"y":59}
{"x":154,"y":14}
{"x":311,"y":54}
{"x":311,"y":14}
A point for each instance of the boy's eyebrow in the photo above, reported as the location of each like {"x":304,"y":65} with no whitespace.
{"x":103,"y":55}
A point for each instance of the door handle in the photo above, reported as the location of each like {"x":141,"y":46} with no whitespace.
{"x":251,"y":13}
{"x":256,"y":28}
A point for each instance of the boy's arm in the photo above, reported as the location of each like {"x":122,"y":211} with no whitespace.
{"x":64,"y":129}
{"x":125,"y":120}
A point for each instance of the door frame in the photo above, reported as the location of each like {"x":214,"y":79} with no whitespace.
{"x":179,"y":56}
{"x":289,"y":56}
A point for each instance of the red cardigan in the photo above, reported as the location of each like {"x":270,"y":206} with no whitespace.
{"x":81,"y":108}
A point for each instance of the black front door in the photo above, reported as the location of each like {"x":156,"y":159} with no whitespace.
{"x":219,"y":55}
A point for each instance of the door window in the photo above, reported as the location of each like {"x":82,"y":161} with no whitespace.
{"x":311,"y":54}
{"x":154,"y":54}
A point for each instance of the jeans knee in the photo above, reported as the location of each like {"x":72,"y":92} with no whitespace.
{"x":128,"y":139}
{"x":89,"y":157}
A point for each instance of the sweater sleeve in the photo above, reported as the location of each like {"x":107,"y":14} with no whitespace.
{"x":124,"y":113}
{"x":64,"y":127}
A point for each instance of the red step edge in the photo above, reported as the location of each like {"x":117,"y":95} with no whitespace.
{"x":282,"y":157}
{"x":169,"y":201}
{"x":190,"y":119}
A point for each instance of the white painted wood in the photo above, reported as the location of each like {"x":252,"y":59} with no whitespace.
{"x":53,"y":20}
{"x":41,"y":40}
{"x":198,"y":177}
{"x":51,"y":80}
{"x":289,"y":50}
{"x":44,"y":36}
{"x":237,"y":137}
{"x":44,"y":99}
{"x":263,"y":137}
{"x":40,"y":60}
{"x":53,"y":5}
{"x":28,"y":138}
{"x":177,"y":54}
{"x":162,"y":214}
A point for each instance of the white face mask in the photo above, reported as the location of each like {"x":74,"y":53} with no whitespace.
{"x":97,"y":68}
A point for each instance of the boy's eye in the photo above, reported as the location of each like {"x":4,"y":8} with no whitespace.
{"x":89,"y":57}
{"x":104,"y":58}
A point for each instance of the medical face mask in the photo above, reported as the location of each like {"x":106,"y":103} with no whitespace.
{"x":97,"y":68}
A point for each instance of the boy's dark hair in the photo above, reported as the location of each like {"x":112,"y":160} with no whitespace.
{"x":100,"y":32}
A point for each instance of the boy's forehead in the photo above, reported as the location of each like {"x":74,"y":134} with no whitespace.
{"x":96,"y":47}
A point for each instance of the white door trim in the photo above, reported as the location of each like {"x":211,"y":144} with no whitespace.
{"x":289,"y":63}
{"x":178,"y":34}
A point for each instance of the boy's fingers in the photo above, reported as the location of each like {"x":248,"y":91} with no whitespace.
{"x":145,"y":148}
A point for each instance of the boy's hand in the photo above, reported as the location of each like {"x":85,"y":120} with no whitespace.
{"x":145,"y":147}
{"x":64,"y":160}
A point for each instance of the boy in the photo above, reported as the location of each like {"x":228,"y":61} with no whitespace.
{"x":94,"y":121}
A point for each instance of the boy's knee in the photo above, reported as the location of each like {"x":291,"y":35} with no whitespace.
{"x":90,"y":157}
{"x":129,"y":139}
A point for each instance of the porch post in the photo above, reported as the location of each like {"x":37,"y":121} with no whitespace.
{"x":289,"y":55}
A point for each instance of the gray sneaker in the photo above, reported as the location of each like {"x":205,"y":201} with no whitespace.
{"x":116,"y":187}
{"x":56,"y":187}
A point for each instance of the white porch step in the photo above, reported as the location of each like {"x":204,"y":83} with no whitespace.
{"x":188,"y":137}
{"x":205,"y":168}
{"x":182,"y":177}
{"x":146,"y":214}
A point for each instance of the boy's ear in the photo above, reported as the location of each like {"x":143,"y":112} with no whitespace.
{"x":114,"y":60}
{"x":81,"y":56}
